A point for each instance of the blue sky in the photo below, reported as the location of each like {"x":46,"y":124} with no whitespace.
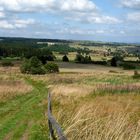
{"x":98,"y":20}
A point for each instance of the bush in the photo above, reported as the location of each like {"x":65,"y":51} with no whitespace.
{"x":6,"y":63}
{"x":51,"y":68}
{"x":128,"y":66}
{"x":43,"y":59}
{"x":25,"y":67}
{"x":65,"y":58}
{"x":35,"y":62}
{"x":32,"y":66}
{"x":81,"y":59}
{"x":136,"y":75}
{"x":99,"y":62}
{"x":37,"y":70}
{"x":114,"y":62}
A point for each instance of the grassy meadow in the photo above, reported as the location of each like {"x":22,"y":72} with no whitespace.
{"x":101,"y":106}
{"x":90,"y":103}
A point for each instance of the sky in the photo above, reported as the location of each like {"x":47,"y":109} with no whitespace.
{"x":97,"y":20}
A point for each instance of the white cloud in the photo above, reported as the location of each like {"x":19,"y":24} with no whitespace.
{"x":103,"y":19}
{"x":78,"y":10}
{"x":93,"y":18}
{"x":80,"y":31}
{"x":100,"y":31}
{"x":5,"y":25}
{"x":17,"y":23}
{"x":2,"y":15}
{"x":135,"y":16}
{"x":77,"y":5}
{"x":45,"y":5}
{"x":131,"y":3}
{"x":122,"y":32}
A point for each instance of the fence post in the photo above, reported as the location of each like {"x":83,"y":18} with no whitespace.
{"x":53,"y":124}
{"x":49,"y":122}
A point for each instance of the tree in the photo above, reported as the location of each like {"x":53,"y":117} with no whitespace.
{"x":87,"y":59}
{"x":79,"y":58}
{"x":51,"y":68}
{"x":50,"y":58}
{"x":119,"y":54}
{"x":65,"y":58}
{"x":25,"y":67}
{"x":35,"y":62}
{"x":114,"y":62}
{"x":85,"y":51}
{"x":108,"y":51}
{"x":32,"y":66}
{"x":43,"y":59}
{"x":83,"y":56}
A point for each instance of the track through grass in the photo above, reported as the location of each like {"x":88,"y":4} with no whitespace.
{"x":24,"y":113}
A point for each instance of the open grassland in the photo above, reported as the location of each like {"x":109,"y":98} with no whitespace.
{"x":90,"y":103}
{"x":99,"y":105}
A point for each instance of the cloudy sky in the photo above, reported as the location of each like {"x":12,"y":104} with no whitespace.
{"x":100,"y":20}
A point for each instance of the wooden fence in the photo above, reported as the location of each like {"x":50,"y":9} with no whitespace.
{"x":53,"y":125}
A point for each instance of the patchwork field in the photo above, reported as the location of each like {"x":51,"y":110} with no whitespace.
{"x":89,"y":102}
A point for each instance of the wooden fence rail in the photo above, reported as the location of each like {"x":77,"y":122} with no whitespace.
{"x":53,"y":125}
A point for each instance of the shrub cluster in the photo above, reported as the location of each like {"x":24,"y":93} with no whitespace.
{"x":6,"y":63}
{"x":128,"y":66}
{"x":99,"y":62}
{"x":51,"y":68}
{"x":34,"y":66}
{"x":83,"y":59}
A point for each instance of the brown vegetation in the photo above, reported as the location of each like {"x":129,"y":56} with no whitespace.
{"x":85,"y":115}
{"x":10,"y":87}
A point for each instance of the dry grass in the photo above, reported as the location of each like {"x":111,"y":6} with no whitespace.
{"x":11,"y":87}
{"x":102,"y":118}
{"x":124,"y":88}
{"x":71,"y":90}
{"x":9,"y":70}
{"x":88,"y":116}
{"x":82,"y":90}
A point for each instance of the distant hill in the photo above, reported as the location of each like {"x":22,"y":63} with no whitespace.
{"x":80,"y":42}
{"x":20,"y":39}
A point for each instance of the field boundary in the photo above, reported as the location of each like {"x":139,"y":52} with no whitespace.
{"x":53,"y":125}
